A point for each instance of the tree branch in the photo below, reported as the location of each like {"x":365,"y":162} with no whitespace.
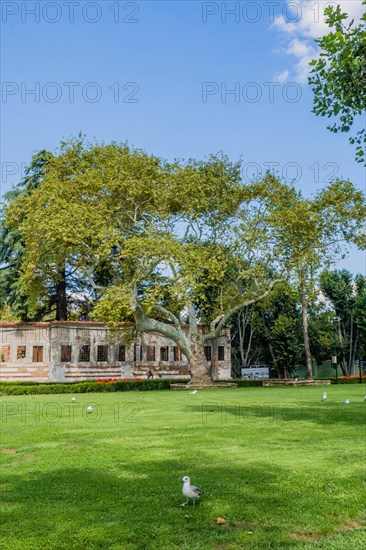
{"x":226,"y":317}
{"x":146,"y":324}
{"x":167,"y":314}
{"x":215,"y":321}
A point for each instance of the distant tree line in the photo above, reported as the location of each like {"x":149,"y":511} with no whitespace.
{"x":269,"y":332}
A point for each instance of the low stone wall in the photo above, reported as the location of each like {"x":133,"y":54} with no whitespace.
{"x":18,"y":373}
{"x":268,"y":383}
{"x":180,"y":371}
{"x":191,"y":387}
{"x":76,"y":373}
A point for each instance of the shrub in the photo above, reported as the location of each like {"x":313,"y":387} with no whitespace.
{"x":34,"y":388}
{"x":344,"y":379}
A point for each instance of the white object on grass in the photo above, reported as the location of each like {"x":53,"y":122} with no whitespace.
{"x":90,"y":408}
{"x":190,"y":491}
{"x":364,"y":398}
{"x":193,"y":392}
{"x":73,"y":399}
{"x":324,"y":396}
{"x":346,"y":401}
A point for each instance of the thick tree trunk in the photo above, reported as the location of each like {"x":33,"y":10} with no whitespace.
{"x":199,"y":368}
{"x":305,"y":331}
{"x":61,"y":302}
{"x":192,"y":345}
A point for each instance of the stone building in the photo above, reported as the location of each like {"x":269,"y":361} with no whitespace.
{"x":68,"y":351}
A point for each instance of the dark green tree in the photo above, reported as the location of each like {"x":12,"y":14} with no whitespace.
{"x":347,"y":296}
{"x":61,"y":290}
{"x":269,"y":332}
{"x":12,"y":248}
{"x":321,"y":332}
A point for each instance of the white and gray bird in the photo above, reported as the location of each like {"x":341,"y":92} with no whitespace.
{"x":89,"y":409}
{"x":324,"y":396}
{"x":346,"y":401}
{"x":193,"y":392}
{"x":190,"y":491}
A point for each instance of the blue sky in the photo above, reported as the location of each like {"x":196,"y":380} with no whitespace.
{"x":158,"y":74}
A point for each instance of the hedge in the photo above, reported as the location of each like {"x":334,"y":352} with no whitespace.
{"x":22,"y":388}
{"x":37,"y":388}
{"x":345,"y":380}
{"x":341,"y":380}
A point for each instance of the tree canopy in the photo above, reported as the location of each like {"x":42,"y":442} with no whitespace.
{"x":181,"y":242}
{"x":313,"y":234}
{"x":12,"y":248}
{"x":178,"y":248}
{"x":347,"y":295}
{"x":338,"y":76}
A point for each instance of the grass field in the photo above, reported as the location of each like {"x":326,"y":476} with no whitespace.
{"x":283,"y":469}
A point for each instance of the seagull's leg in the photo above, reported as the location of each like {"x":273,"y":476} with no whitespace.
{"x":184,"y":503}
{"x":194,"y":503}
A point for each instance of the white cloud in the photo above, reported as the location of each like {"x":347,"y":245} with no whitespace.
{"x":303,"y":51}
{"x":298,"y":48}
{"x":307,"y":18}
{"x":302,"y":21}
{"x":301,"y":70}
{"x":282,"y":77}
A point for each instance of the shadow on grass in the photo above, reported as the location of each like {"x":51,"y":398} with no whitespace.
{"x":291,"y":411}
{"x":138,"y":507}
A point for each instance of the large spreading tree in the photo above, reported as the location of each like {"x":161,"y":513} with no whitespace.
{"x":184,"y":244}
{"x":177,"y":248}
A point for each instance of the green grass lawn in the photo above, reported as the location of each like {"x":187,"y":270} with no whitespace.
{"x":283,"y":469}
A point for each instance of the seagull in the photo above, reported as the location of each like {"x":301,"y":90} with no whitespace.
{"x":192,"y":392}
{"x":346,"y":401}
{"x":190,"y":491}
{"x":89,"y":409}
{"x":324,"y":396}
